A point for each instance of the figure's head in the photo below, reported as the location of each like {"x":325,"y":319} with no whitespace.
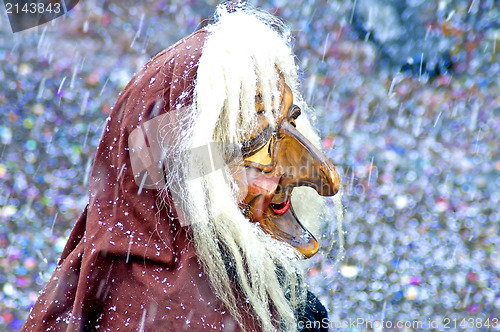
{"x":237,"y":160}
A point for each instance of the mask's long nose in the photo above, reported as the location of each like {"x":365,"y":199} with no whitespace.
{"x":302,"y":164}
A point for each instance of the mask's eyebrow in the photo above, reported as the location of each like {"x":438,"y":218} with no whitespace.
{"x":293,"y":112}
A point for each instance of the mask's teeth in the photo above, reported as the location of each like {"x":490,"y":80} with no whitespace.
{"x":281,"y":208}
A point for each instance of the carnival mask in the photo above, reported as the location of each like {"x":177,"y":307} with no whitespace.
{"x":274,"y":162}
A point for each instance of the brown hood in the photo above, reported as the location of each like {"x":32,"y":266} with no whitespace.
{"x":128,"y":264}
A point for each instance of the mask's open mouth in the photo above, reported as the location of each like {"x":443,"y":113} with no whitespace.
{"x":284,"y":226}
{"x":281,"y":208}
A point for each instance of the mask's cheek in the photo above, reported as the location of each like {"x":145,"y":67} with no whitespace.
{"x":255,"y":188}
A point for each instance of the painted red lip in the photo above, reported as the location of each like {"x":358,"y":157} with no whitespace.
{"x":281,"y":208}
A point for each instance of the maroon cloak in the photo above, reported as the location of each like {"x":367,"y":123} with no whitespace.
{"x":128,"y":265}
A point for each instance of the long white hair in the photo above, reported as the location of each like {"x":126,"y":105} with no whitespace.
{"x":245,"y":51}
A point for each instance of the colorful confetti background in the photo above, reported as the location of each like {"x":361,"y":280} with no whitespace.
{"x":417,"y":146}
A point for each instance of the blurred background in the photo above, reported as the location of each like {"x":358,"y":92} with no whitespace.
{"x":406,"y":97}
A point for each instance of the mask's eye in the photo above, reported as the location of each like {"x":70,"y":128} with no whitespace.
{"x":269,"y":146}
{"x":257,"y":143}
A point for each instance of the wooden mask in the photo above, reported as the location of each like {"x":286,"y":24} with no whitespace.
{"x":274,"y":162}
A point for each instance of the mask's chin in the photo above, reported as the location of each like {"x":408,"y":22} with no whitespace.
{"x":287,"y":228}
{"x":279,"y":220}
